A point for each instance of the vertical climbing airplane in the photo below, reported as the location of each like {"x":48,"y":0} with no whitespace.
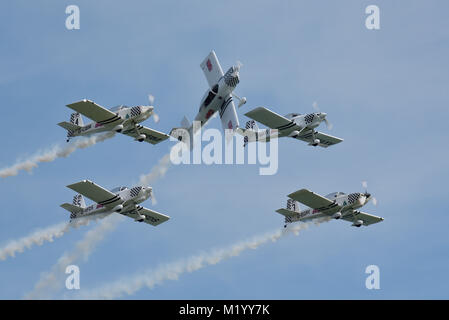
{"x":218,"y":98}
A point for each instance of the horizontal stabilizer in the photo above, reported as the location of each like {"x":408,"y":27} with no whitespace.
{"x":286,"y":212}
{"x":68,"y":126}
{"x":71,"y":208}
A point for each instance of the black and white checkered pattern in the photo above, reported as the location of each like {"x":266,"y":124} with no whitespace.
{"x":135,"y":191}
{"x":292,"y":205}
{"x":250,"y":124}
{"x":230,"y":79}
{"x":353,"y":197}
{"x":77,"y":200}
{"x":135,"y":111}
{"x":309,"y":118}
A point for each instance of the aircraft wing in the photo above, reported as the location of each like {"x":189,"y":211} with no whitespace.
{"x":152,"y":136}
{"x":212,"y":69}
{"x":311,"y":199}
{"x":270,"y":119}
{"x":94,"y":111}
{"x":365,"y":217}
{"x":325,"y":139}
{"x":228,"y":115}
{"x":96,"y":193}
{"x":151,"y":217}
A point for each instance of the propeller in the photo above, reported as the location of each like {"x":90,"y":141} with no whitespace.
{"x":328,"y":124}
{"x":153,"y":198}
{"x":237,"y":67}
{"x":155,"y":115}
{"x":365,"y":186}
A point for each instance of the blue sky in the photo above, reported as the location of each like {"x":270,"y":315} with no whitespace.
{"x":386,"y":93}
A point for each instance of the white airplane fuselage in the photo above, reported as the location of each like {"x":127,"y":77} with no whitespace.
{"x":343,"y":205}
{"x":124,"y":121}
{"x":305,"y":122}
{"x":219,"y":96}
{"x":131,"y":197}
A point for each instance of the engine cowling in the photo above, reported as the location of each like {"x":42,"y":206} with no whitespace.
{"x":141,"y":137}
{"x":336,"y":215}
{"x":118,"y":208}
{"x":316,"y":142}
{"x":140,"y":218}
{"x":118,"y":128}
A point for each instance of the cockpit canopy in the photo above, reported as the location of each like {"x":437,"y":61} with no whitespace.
{"x":118,"y":189}
{"x":334,"y":195}
{"x":292,"y":115}
{"x":118,"y":108}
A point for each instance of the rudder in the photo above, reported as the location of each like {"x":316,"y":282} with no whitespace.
{"x":78,"y":200}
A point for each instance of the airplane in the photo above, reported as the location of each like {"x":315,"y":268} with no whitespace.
{"x":218,"y":98}
{"x":335,"y":205}
{"x":294,"y":125}
{"x":121,"y":200}
{"x":121,"y":119}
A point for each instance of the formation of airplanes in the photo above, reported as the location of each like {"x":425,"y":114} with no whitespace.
{"x":218,"y":98}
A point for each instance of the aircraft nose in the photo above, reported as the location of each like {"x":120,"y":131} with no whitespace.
{"x":146,"y":109}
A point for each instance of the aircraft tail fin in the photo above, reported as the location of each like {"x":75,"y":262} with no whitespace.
{"x":290,"y":212}
{"x":251,"y":129}
{"x":76,"y":122}
{"x":76,"y":119}
{"x":292,"y":205}
{"x":78,"y":200}
{"x":251,"y":125}
{"x":184,"y":133}
{"x":185,"y":123}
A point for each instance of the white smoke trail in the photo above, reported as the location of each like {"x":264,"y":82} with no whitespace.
{"x":36,"y":238}
{"x":157,"y":172}
{"x":52,"y":154}
{"x":40,"y":236}
{"x":172,"y":271}
{"x":53,"y":280}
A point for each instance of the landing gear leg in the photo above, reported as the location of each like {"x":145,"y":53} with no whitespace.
{"x":138,"y":133}
{"x":315,"y":141}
